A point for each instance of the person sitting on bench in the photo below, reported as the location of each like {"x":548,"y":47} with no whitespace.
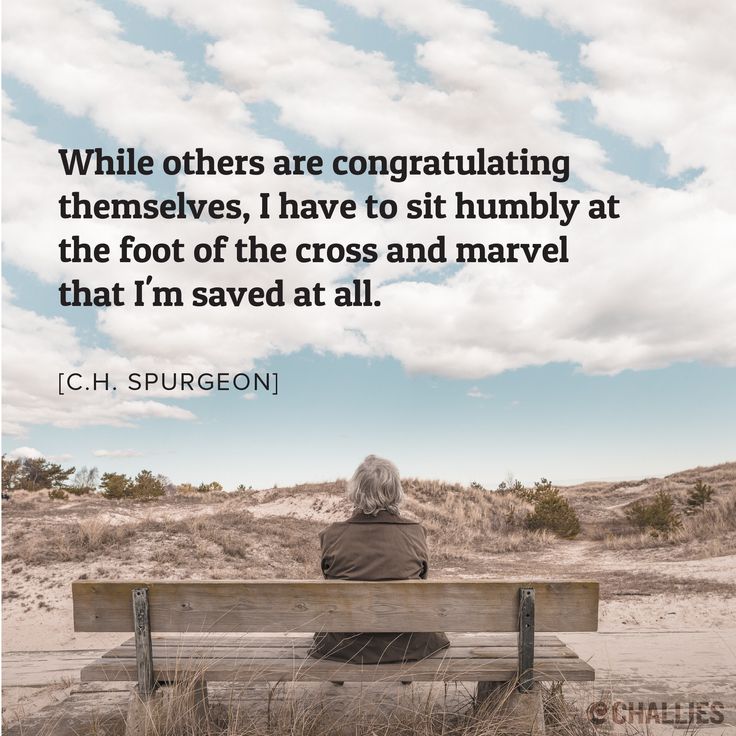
{"x":375,"y":543}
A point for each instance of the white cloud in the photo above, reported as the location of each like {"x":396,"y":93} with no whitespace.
{"x":665,"y":74}
{"x":30,"y":386}
{"x":117,"y":453}
{"x":652,"y":288}
{"x":25,"y":452}
{"x":476,"y":393}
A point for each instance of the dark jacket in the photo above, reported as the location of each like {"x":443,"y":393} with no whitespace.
{"x":380,"y":547}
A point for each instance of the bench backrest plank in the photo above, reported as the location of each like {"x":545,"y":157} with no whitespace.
{"x":339,"y":606}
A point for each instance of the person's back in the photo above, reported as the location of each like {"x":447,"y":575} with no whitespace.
{"x":376,"y":543}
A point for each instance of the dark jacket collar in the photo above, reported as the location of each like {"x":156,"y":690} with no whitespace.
{"x":382,"y":517}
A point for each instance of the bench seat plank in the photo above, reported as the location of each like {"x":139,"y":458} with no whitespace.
{"x":272,"y":652}
{"x":325,"y":605}
{"x":487,"y":657}
{"x":284,"y":668}
{"x":305,"y":640}
{"x":173,"y":652}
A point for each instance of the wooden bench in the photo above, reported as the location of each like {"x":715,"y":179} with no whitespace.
{"x":499,"y":631}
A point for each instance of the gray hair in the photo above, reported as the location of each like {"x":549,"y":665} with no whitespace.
{"x":375,"y":486}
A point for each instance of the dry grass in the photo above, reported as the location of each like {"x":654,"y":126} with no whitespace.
{"x":266,"y":547}
{"x":217,"y":536}
{"x":269,"y":495}
{"x":288,"y":710}
{"x":68,"y":542}
{"x":274,"y":546}
{"x":465,"y":521}
{"x":717,"y":519}
{"x":461,"y":523}
{"x":713,"y":529}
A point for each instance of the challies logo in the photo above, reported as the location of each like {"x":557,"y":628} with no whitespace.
{"x":692,"y":713}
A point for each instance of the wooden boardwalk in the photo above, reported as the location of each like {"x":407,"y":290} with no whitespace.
{"x":665,"y":667}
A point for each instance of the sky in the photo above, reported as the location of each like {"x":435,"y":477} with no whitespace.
{"x":619,"y":364}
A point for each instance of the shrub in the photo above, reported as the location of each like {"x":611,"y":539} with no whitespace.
{"x":12,"y":472}
{"x":530,"y":495}
{"x":552,"y":511}
{"x":511,"y":485}
{"x":148,"y":485}
{"x":33,"y":474}
{"x":145,"y":486}
{"x":209,"y":487}
{"x":116,"y":485}
{"x":658,"y":514}
{"x":516,"y":487}
{"x":700,"y":494}
{"x":78,"y":490}
{"x":58,"y":495}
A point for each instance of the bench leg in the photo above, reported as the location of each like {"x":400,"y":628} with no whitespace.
{"x":181,"y":706}
{"x":139,"y":719}
{"x":201,"y":705}
{"x":515,"y":712}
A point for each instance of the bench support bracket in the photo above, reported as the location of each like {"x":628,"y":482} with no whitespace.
{"x":526,"y":640}
{"x":143,"y":645}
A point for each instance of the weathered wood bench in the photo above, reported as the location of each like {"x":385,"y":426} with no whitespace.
{"x":499,"y":631}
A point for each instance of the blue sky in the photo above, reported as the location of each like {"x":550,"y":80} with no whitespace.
{"x":563,"y":413}
{"x":550,"y":421}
